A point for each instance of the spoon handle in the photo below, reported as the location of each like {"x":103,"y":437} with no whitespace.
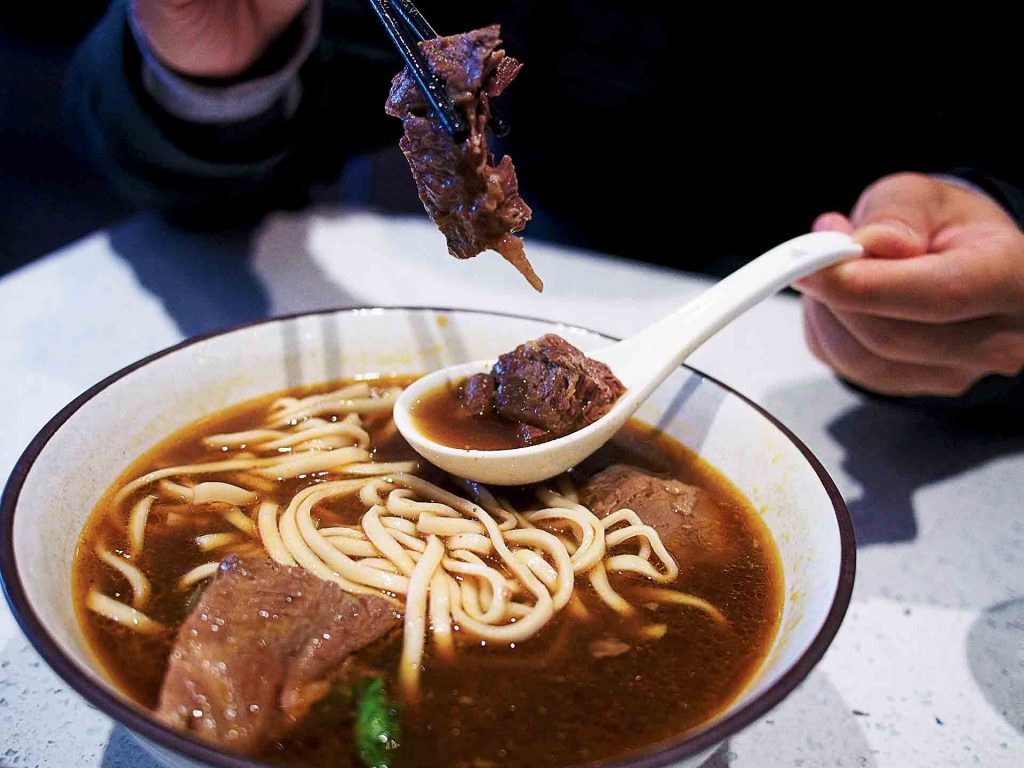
{"x":642,"y":361}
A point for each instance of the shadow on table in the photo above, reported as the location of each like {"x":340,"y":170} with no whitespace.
{"x":994,"y":656}
{"x":202,"y":278}
{"x":720,"y":758}
{"x":207,"y":279}
{"x":816,"y":726}
{"x":891,"y":449}
{"x":124,"y":751}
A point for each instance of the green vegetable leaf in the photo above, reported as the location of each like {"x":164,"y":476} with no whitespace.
{"x":376,"y":728}
{"x":195,"y":596}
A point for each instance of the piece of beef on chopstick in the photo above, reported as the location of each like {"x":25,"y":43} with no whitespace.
{"x":472,"y":200}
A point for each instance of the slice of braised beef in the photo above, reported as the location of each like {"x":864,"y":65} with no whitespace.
{"x":262,"y":646}
{"x":472,"y":200}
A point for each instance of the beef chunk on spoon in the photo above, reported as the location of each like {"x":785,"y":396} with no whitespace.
{"x":546,"y":387}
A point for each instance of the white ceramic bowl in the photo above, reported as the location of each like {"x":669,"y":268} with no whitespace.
{"x":84,"y":448}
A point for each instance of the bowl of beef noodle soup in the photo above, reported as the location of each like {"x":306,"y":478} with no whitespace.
{"x":229,"y":548}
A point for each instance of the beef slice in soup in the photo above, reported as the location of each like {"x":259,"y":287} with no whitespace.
{"x":686,"y":517}
{"x":472,"y":200}
{"x":549,"y":384}
{"x":261,"y":647}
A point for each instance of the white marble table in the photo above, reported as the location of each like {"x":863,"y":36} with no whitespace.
{"x":928,"y":668}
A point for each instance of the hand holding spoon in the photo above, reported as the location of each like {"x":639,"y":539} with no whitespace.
{"x":641,"y":362}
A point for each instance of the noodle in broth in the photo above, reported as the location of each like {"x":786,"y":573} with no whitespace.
{"x":314,"y":482}
{"x":417,"y":543}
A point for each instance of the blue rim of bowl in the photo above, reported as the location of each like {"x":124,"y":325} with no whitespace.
{"x":142,"y":724}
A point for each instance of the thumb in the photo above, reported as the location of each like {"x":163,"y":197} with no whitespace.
{"x":826,"y":222}
{"x":894,"y":217}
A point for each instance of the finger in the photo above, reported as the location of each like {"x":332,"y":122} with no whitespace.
{"x":811,"y":333}
{"x":987,"y":345}
{"x":895,"y":216}
{"x":887,"y":240}
{"x":838,"y":349}
{"x":959,"y":284}
{"x":832,"y":222}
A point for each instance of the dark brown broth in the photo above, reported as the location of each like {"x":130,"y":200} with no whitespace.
{"x":547,"y":702}
{"x":442,"y":416}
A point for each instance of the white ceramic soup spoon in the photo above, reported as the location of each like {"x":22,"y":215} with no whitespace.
{"x":641,"y":362}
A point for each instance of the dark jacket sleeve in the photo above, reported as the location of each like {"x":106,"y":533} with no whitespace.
{"x":212,"y":172}
{"x":979,"y":140}
{"x":1003,"y":180}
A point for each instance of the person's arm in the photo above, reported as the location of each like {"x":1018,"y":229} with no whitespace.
{"x":181,"y":128}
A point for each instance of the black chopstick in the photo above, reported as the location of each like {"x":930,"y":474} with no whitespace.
{"x":431,"y":85}
{"x":417,"y":23}
{"x":423,"y":30}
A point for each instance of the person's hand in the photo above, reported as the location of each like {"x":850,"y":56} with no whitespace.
{"x":937,"y":302}
{"x":213,"y":38}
